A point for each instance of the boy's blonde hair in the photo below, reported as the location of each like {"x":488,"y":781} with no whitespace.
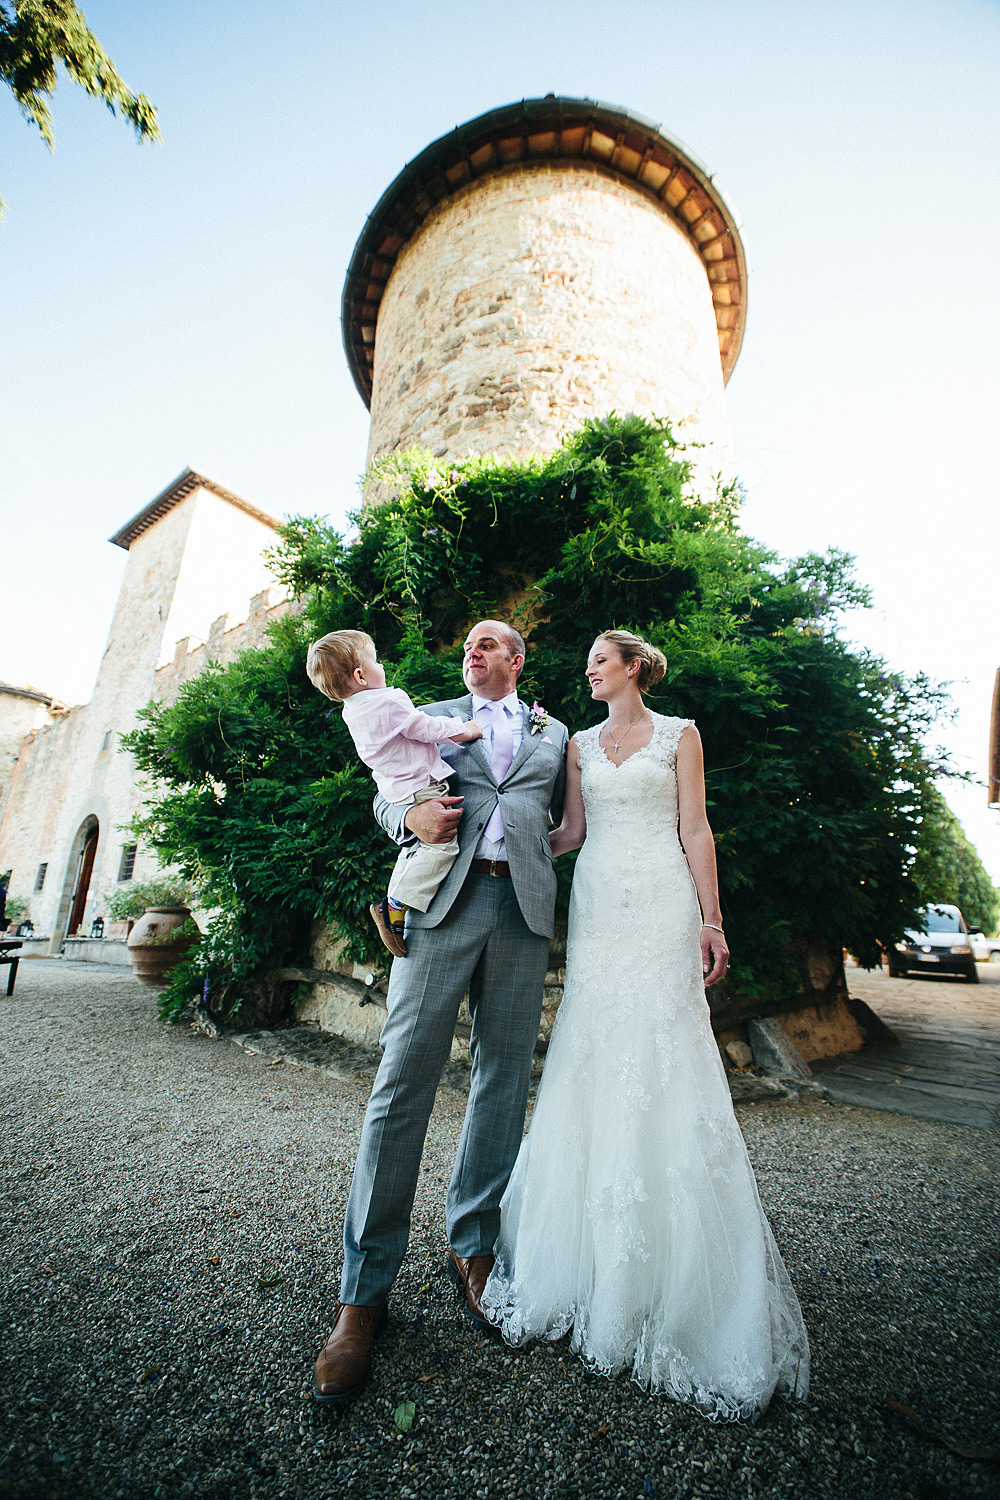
{"x":332,"y":661}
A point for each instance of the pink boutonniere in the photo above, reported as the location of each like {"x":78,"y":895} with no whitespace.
{"x":538,"y":719}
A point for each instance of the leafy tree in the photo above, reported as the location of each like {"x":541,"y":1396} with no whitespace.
{"x":948,"y":869}
{"x":35,"y":36}
{"x":816,"y":771}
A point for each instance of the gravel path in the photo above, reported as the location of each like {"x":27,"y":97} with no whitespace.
{"x":171,"y":1211}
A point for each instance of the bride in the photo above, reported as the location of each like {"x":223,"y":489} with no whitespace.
{"x":632,"y":1217}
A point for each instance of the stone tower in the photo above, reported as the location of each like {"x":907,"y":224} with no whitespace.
{"x":549,"y":261}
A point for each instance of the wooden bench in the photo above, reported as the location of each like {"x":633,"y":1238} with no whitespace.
{"x":9,"y":956}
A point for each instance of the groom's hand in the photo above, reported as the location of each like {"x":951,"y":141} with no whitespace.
{"x":435,"y":822}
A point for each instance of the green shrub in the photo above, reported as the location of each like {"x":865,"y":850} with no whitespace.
{"x":817,"y":774}
{"x":135,"y":898}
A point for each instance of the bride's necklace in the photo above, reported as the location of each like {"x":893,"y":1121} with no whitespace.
{"x":622,"y":738}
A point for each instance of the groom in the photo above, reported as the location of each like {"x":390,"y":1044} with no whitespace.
{"x":487,"y":932}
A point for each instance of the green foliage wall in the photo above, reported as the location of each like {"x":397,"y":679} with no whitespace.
{"x":948,"y":869}
{"x":816,"y":772}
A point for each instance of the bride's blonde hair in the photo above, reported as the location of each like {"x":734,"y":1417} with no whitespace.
{"x":652,"y":662}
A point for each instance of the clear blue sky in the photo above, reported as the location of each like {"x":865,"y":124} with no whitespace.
{"x":179,"y":304}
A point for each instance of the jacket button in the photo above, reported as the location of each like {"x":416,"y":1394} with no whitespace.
{"x":480,"y":825}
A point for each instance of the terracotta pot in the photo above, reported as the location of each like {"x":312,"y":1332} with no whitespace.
{"x":156,"y":943}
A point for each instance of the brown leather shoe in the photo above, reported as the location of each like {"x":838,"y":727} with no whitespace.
{"x":392,"y":939}
{"x":471,"y":1274}
{"x":345,"y":1360}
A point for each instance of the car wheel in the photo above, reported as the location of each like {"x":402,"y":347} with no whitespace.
{"x":995,"y":955}
{"x":973,"y":975}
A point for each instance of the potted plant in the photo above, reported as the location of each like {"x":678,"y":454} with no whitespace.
{"x":15,"y":911}
{"x":159,"y":927}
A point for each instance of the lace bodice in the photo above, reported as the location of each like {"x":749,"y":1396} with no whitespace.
{"x":635,"y":802}
{"x":631,"y":871}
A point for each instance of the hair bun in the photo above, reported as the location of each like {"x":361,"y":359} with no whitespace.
{"x":632,"y":647}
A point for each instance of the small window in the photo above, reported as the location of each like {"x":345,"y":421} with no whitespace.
{"x":40,"y":877}
{"x":128,"y":862}
{"x":107,"y":741}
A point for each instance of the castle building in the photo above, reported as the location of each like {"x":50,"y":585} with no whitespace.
{"x":196,"y":589}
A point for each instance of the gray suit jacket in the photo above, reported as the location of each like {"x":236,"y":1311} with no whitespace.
{"x":532,"y":790}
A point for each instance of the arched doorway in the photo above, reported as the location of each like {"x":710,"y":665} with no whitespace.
{"x":85,"y":847}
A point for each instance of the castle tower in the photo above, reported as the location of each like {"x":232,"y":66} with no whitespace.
{"x":549,"y":261}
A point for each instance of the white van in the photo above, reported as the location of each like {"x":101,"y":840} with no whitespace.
{"x":940,"y":945}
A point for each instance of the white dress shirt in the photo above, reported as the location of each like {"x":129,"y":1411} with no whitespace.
{"x":482,"y":712}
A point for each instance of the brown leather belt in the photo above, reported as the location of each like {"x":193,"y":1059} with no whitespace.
{"x":491,"y":867}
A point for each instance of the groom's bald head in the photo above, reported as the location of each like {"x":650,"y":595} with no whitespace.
{"x":494,"y":658}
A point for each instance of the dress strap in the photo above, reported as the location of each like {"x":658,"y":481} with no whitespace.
{"x":668,"y":731}
{"x":587,"y":743}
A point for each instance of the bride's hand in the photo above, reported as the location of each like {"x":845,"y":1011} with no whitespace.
{"x":714,"y":955}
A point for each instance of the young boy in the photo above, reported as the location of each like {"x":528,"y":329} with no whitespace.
{"x":398,"y":743}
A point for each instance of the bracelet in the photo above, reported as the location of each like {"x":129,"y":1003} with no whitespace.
{"x":713,"y":927}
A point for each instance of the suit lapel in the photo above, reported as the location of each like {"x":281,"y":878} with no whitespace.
{"x":464,"y":707}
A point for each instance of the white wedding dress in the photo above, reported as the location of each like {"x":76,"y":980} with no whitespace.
{"x":632,"y":1215}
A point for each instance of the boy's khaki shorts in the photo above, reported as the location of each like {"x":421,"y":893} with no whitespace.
{"x":421,"y":867}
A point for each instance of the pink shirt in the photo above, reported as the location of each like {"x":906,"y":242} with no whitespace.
{"x":397,"y":741}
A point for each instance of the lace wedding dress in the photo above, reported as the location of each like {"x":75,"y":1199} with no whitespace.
{"x":632,"y":1215}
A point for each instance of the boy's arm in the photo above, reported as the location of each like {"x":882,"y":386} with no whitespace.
{"x":434,"y":729}
{"x":394,"y":716}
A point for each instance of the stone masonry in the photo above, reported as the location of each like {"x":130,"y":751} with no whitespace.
{"x":536,"y":297}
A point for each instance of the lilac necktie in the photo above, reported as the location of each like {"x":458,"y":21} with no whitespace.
{"x":503,"y":755}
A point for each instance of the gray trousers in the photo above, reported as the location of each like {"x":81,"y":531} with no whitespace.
{"x":484,"y":946}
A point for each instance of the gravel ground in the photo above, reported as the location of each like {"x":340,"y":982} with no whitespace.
{"x":171,"y":1225}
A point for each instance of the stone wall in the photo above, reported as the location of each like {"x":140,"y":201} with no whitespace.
{"x":534,"y":298}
